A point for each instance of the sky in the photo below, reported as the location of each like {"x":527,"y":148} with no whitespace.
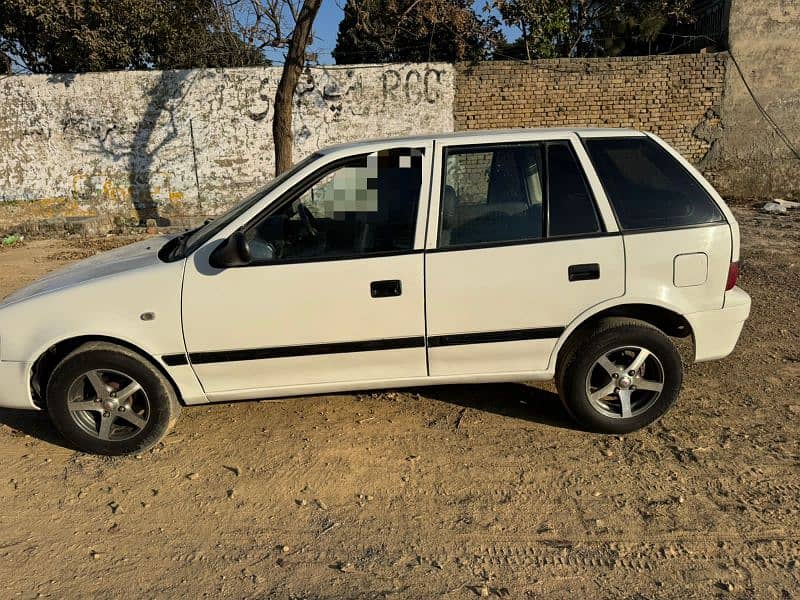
{"x":326,"y":27}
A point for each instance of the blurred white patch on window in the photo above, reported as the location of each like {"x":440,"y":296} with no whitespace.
{"x":349,"y":189}
{"x":405,"y":162}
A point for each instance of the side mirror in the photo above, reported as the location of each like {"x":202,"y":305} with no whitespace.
{"x":233,"y":252}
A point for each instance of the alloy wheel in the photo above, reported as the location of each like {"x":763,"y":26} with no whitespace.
{"x":108,"y":405}
{"x":625,"y":382}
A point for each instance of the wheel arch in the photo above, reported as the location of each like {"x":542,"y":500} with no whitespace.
{"x":666,"y":319}
{"x":46,"y":362}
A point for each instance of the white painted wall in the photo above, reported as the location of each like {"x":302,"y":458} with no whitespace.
{"x":120,"y":144}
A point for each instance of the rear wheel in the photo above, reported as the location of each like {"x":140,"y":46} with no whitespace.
{"x":106,"y":399}
{"x":623,"y":376}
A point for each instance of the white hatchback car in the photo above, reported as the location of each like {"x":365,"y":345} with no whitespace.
{"x":468,"y":257}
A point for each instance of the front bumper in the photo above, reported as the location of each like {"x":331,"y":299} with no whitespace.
{"x":15,"y":388}
{"x":717,"y":331}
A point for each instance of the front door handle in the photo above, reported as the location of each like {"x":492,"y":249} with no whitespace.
{"x":584,"y":272}
{"x":386,"y":288}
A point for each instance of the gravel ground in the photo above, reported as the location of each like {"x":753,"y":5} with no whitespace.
{"x":451,"y":492}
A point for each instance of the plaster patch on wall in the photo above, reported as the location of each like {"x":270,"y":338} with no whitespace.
{"x":709,"y":131}
{"x":135,"y":145}
{"x":753,"y":160}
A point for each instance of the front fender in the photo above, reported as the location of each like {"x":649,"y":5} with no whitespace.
{"x":105,"y":308}
{"x":108,"y":306}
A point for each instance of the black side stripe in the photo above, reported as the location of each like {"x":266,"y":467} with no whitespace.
{"x":175,"y":360}
{"x":201,"y":358}
{"x":486,"y":337}
{"x":437,"y":341}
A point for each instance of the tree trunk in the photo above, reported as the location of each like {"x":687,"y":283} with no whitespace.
{"x":295,"y":59}
{"x":526,"y":40}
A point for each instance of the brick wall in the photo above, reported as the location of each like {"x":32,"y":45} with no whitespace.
{"x":468,"y":174}
{"x":676,"y":97}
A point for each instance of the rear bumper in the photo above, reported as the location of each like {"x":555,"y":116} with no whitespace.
{"x":15,"y":389}
{"x":717,"y":331}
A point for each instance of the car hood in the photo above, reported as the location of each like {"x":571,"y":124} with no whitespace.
{"x":127,"y":258}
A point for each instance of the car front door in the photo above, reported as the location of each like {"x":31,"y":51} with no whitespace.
{"x":519,"y":249}
{"x":334,"y":291}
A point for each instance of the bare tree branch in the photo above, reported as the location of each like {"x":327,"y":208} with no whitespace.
{"x":295,"y":59}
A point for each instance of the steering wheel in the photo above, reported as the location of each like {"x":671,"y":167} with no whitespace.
{"x":308,"y":219}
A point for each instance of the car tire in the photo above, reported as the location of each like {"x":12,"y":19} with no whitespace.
{"x":620,"y":376}
{"x":107,"y":399}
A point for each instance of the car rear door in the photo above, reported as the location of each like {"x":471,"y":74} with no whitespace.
{"x":517,"y":247}
{"x":334,"y":293}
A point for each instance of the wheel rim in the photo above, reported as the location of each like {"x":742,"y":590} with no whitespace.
{"x":625,"y":382}
{"x":108,"y":405}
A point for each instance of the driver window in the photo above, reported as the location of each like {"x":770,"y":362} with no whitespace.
{"x":364,"y":206}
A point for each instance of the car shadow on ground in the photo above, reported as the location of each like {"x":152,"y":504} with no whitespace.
{"x":33,"y":423}
{"x":514,"y":400}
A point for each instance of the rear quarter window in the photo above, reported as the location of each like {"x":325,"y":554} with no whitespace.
{"x":647,"y":187}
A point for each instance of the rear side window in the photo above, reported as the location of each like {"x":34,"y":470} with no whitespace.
{"x":647,"y":187}
{"x":570,"y":206}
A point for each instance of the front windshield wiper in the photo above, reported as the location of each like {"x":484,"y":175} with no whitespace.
{"x":175,"y":248}
{"x":180,"y":245}
{"x":178,"y":251}
{"x":167,"y":253}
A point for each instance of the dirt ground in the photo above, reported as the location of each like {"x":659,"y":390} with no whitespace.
{"x":452,"y":492}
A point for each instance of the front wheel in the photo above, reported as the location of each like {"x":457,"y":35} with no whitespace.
{"x":625,"y":375}
{"x":106,"y":399}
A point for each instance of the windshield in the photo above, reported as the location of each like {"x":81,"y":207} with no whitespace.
{"x":194,"y":239}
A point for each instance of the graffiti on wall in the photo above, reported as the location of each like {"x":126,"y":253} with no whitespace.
{"x":335,"y":89}
{"x":176,"y":144}
{"x":414,"y":85}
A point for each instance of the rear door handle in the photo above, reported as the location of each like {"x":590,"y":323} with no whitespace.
{"x":584,"y":272}
{"x":386,"y":288}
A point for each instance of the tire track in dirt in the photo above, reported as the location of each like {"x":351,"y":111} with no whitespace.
{"x":433,"y":492}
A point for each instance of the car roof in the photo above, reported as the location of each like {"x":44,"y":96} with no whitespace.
{"x":484,"y":135}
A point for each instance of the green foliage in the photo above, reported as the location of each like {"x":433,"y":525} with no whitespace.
{"x":11,"y":240}
{"x":449,"y":30}
{"x":540,"y":23}
{"x":59,"y":36}
{"x":552,"y":28}
{"x":635,"y":26}
{"x":379,"y":31}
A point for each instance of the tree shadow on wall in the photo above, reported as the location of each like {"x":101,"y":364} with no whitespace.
{"x":164,"y":97}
